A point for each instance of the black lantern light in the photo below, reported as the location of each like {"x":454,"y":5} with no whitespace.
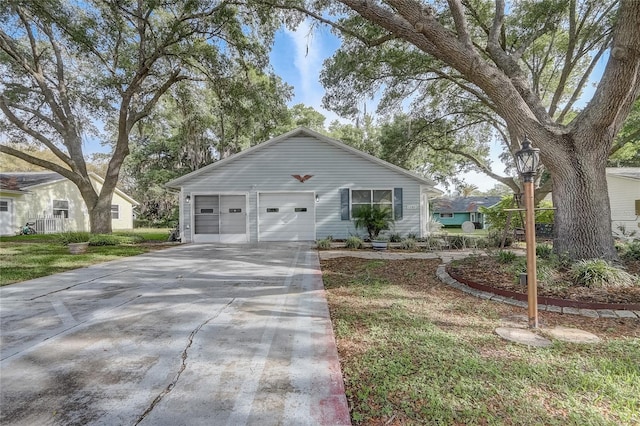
{"x":527,"y":160}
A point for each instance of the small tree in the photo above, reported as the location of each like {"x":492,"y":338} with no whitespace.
{"x":374,"y":219}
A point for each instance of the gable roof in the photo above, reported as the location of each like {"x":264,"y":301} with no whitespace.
{"x":303,"y":131}
{"x":626,"y":172}
{"x":462,"y":204}
{"x":24,"y":181}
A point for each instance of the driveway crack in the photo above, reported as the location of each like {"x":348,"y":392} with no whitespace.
{"x":183,"y":366}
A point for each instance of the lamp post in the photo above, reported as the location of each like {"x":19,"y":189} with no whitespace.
{"x":527,"y":160}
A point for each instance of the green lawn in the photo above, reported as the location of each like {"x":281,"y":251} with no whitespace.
{"x":24,"y":257}
{"x":414,"y":351}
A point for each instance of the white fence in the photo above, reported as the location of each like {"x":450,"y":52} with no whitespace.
{"x":49,"y":224}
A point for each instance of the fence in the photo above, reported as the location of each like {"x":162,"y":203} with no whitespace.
{"x":49,"y":224}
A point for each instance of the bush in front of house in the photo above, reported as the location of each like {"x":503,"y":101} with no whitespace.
{"x":353,"y":242}
{"x":629,"y":250}
{"x":114,"y":239}
{"x":67,"y":238}
{"x":494,"y":238}
{"x":373,"y":219}
{"x":395,"y":238}
{"x":598,"y":273}
{"x":544,"y":251}
{"x":324,"y":243}
{"x":505,"y":256}
{"x":408,"y":244}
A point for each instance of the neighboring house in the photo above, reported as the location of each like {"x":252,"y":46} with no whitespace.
{"x":296,"y":187}
{"x":453,"y":212}
{"x":624,"y":197}
{"x":54,"y":203}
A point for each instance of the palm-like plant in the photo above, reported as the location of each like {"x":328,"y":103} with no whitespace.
{"x":372,"y":218}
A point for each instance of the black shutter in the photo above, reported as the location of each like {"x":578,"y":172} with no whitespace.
{"x":397,"y":203}
{"x":344,"y":204}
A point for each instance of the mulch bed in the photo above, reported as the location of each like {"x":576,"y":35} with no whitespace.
{"x":488,"y":271}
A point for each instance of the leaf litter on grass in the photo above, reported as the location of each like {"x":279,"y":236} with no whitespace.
{"x":421,"y":352}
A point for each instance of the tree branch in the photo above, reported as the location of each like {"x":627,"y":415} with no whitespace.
{"x":36,"y":135}
{"x":462,"y":28}
{"x":39,"y":162}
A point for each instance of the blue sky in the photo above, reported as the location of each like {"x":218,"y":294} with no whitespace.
{"x":297,"y":57}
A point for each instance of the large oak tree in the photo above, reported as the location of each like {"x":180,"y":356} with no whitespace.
{"x":67,"y":65}
{"x":488,"y":58}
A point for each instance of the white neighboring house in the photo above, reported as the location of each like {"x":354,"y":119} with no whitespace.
{"x":54,"y":203}
{"x":624,"y":197}
{"x":299,"y":186}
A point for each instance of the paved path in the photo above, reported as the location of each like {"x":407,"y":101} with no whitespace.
{"x":192,"y":335}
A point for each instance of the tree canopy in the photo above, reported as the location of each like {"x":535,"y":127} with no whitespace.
{"x":67,"y":65}
{"x":519,"y":68}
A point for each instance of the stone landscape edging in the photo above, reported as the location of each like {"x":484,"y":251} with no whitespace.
{"x":608,"y":310}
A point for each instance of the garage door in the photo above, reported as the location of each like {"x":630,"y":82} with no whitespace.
{"x":220,"y":218}
{"x":286,"y":216}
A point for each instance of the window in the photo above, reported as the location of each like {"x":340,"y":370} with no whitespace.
{"x":115,"y":211}
{"x":300,"y":209}
{"x":446,"y":215}
{"x":382,"y":198}
{"x":272,"y":210}
{"x":61,"y":208}
{"x":4,"y":206}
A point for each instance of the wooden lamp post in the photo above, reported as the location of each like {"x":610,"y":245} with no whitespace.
{"x":527,"y":160}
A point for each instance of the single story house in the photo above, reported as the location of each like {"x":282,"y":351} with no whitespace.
{"x":53,"y":203}
{"x":624,"y":197}
{"x":453,"y":212}
{"x":300,"y":186}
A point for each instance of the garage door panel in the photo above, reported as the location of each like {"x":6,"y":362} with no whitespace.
{"x":286,"y":217}
{"x":233,"y":214}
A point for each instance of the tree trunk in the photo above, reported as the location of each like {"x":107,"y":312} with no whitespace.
{"x":100,"y":216}
{"x":583,"y":216}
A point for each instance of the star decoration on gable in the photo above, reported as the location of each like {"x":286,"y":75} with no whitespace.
{"x":302,"y":179}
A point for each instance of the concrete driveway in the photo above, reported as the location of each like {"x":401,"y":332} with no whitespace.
{"x":192,"y":335}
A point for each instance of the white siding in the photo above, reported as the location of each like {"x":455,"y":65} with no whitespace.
{"x":271,"y":169}
{"x":623,"y":192}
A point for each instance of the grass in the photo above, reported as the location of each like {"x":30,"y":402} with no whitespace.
{"x":25,"y":257}
{"x":414,"y":351}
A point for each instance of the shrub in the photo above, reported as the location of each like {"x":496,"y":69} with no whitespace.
{"x":598,"y":273}
{"x":395,"y":238}
{"x":505,"y":256}
{"x":412,"y":236}
{"x":457,"y":241}
{"x":482,"y":243}
{"x":67,"y":238}
{"x":408,"y":244}
{"x":324,"y":244}
{"x":494,"y":238}
{"x":114,"y":239}
{"x":373,"y":219}
{"x":353,"y":242}
{"x":544,"y":251}
{"x":496,"y":216}
{"x":630,"y":250}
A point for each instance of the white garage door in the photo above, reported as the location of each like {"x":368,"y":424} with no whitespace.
{"x":286,"y":216}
